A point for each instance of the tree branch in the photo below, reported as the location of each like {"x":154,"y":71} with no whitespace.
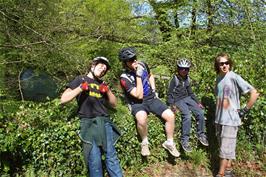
{"x":29,"y":28}
{"x":4,"y":63}
{"x":19,"y":86}
{"x":22,"y":45}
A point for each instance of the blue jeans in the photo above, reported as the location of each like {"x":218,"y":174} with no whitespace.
{"x":185,"y":106}
{"x":93,"y":158}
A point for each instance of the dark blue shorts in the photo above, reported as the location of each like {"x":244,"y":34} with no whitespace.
{"x":154,"y":106}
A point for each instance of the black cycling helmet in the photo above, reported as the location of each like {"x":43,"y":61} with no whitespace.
{"x":183,"y":63}
{"x":127,"y":54}
{"x":102,"y":60}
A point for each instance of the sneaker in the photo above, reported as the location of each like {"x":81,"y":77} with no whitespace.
{"x":171,"y":148}
{"x":186,"y":147}
{"x":203,"y":140}
{"x":145,"y":149}
{"x":228,"y":172}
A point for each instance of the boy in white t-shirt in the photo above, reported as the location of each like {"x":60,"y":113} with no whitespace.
{"x":229,"y":86}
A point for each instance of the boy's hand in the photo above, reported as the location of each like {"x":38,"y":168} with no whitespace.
{"x":140,"y":70}
{"x":84,"y":86}
{"x":201,"y":106}
{"x":243,"y":112}
{"x":174,"y":108}
{"x":155,"y":93}
{"x":103,"y":87}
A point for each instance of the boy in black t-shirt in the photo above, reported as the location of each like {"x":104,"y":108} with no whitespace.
{"x":97,"y":132}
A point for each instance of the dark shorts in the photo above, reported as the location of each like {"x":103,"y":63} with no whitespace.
{"x":154,"y":106}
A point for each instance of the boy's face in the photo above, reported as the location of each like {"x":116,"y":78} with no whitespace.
{"x":132,"y":64}
{"x":99,"y":69}
{"x":183,"y":72}
{"x":224,"y":66}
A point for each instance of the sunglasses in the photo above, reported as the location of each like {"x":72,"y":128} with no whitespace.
{"x":132,"y":60}
{"x":181,"y":69}
{"x":222,"y":63}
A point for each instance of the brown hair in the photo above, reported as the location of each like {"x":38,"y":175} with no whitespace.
{"x":217,"y":61}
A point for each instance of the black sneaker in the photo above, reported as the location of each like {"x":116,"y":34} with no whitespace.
{"x":186,"y":147}
{"x":203,"y":140}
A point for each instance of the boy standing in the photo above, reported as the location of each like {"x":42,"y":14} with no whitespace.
{"x":97,"y":132}
{"x":229,"y":86}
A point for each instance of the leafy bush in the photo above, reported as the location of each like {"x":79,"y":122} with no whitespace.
{"x":42,"y":137}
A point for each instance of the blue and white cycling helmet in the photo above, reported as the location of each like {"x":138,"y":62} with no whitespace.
{"x":183,"y":63}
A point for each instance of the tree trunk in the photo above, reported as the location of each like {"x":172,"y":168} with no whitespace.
{"x":210,"y":15}
{"x":193,"y":20}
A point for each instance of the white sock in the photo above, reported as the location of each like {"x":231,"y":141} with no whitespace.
{"x":145,"y":140}
{"x":170,"y":141}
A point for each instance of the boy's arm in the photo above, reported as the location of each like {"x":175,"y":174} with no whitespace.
{"x":152,"y":81}
{"x":69,"y":94}
{"x":137,"y":91}
{"x":253,"y":98}
{"x":134,"y":90}
{"x":111,"y":98}
{"x":170,"y":98}
{"x":193,"y":96}
{"x":245,"y":87}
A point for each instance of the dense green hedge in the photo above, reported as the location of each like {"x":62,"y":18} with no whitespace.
{"x":54,"y":37}
{"x":43,"y":136}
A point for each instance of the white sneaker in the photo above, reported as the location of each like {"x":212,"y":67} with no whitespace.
{"x":145,"y":149}
{"x":171,"y":148}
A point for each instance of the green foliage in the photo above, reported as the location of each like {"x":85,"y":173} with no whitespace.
{"x":41,"y":136}
{"x":199,"y":158}
{"x":44,"y":136}
{"x":61,"y":38}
